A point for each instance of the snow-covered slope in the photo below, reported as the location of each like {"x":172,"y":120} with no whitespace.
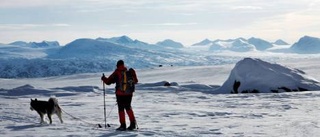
{"x":280,"y":42}
{"x":189,"y":108}
{"x":90,"y":48}
{"x":22,"y":59}
{"x":43,"y":44}
{"x":260,"y":44}
{"x":256,"y":76}
{"x":204,"y":42}
{"x":126,"y":41}
{"x":168,"y":43}
{"x":90,"y":55}
{"x":237,"y":45}
{"x":15,"y":51}
{"x":307,"y":45}
{"x":19,"y":43}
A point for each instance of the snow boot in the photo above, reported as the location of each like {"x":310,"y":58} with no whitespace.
{"x":132,"y":126}
{"x":122,"y":127}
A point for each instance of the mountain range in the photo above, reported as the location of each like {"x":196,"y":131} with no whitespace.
{"x":49,"y":58}
{"x":306,"y":44}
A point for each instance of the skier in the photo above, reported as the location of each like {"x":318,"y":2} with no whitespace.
{"x":123,"y":98}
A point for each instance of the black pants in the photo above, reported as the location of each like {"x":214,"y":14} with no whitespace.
{"x":124,"y":102}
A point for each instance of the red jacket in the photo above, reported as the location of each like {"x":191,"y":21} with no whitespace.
{"x":115,"y":77}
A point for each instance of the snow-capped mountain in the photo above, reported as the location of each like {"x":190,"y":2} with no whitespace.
{"x":307,"y":45}
{"x":260,"y":44}
{"x":126,"y":41}
{"x":90,"y":48}
{"x":168,"y":43}
{"x":17,"y":51}
{"x":22,"y":59}
{"x":19,"y":43}
{"x":256,"y":76}
{"x":43,"y":44}
{"x":88,"y":55}
{"x":280,"y":42}
{"x":121,"y":40}
{"x":237,"y":45}
{"x":205,"y":42}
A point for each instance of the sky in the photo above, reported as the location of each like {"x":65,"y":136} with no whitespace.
{"x":185,"y":21}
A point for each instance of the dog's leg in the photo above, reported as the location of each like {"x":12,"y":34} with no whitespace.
{"x":49,"y":116}
{"x":58,"y":112}
{"x":41,"y":118}
{"x":60,"y":117}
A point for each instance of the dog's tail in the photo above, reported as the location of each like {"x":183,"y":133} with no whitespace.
{"x":53,"y":101}
{"x":56,"y":107}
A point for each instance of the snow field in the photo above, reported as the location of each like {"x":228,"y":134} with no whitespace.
{"x":187,"y":109}
{"x":173,"y":114}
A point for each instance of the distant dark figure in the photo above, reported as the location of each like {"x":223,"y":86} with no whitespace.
{"x":236,"y":86}
{"x":167,"y":84}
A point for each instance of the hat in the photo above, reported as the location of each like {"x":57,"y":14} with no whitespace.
{"x":120,"y":63}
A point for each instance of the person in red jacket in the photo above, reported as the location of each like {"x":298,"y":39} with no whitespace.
{"x":123,"y":98}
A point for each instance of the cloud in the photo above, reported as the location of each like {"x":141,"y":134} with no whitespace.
{"x":290,"y":26}
{"x":29,"y":3}
{"x":198,"y":18}
{"x":246,"y":8}
{"x":172,"y":24}
{"x":29,"y":26}
{"x":168,"y":24}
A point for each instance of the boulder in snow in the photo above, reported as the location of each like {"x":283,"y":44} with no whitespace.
{"x":256,"y":76}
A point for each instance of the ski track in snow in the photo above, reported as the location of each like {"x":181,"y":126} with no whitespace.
{"x":188,"y":109}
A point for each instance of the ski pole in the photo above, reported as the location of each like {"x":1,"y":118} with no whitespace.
{"x":104,"y":103}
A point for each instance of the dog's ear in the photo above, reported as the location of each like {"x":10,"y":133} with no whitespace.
{"x":31,"y":99}
{"x":36,"y":99}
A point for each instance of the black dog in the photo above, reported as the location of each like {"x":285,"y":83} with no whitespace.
{"x":49,"y":107}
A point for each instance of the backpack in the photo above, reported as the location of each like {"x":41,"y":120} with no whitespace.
{"x":127,"y":83}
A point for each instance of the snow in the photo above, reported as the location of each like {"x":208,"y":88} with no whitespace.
{"x":43,"y":44}
{"x":168,"y":43}
{"x":237,"y":45}
{"x":203,"y":42}
{"x":307,"y":45}
{"x":255,"y":75}
{"x":280,"y":42}
{"x":126,"y":41}
{"x":22,"y":60}
{"x":198,"y":102}
{"x":188,"y":108}
{"x":16,"y":51}
{"x":260,"y":44}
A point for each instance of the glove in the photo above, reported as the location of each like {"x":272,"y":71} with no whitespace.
{"x":104,"y":79}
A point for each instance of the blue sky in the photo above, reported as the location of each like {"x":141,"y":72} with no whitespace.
{"x":186,"y":21}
